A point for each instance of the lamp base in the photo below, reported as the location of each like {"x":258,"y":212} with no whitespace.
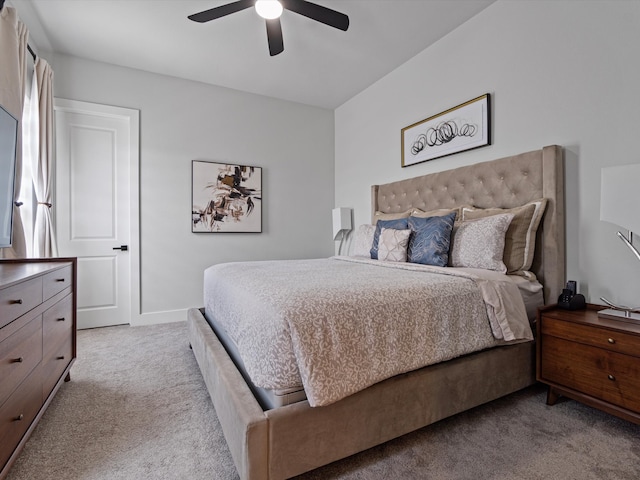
{"x":624,"y":315}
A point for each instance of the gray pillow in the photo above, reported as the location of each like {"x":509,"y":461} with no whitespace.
{"x":480,"y":243}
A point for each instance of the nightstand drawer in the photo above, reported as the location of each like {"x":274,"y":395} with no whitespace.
{"x":19,"y":355}
{"x":599,"y":337}
{"x":610,"y":376}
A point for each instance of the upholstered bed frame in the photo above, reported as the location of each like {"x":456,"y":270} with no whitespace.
{"x":293,"y":439}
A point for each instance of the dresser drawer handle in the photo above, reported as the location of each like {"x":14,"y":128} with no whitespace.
{"x":59,"y":279}
{"x":611,"y":341}
{"x":611,"y":377}
{"x":61,"y":357}
{"x":61,"y":319}
{"x":18,"y":302}
{"x":19,"y":418}
{"x":17,"y":360}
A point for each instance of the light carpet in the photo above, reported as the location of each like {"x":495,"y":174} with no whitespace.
{"x":137,"y":408}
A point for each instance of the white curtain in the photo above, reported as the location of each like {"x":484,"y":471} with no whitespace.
{"x":44,"y":240}
{"x":13,"y":76}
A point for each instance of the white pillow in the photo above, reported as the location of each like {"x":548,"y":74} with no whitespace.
{"x":480,"y":243}
{"x":393,"y":245}
{"x":363,"y":240}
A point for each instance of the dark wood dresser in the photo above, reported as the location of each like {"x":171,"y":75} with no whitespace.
{"x":37,"y":344}
{"x":590,"y":359}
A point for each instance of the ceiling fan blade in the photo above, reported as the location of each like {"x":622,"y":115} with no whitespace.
{"x":221,"y":11}
{"x":317,"y":12}
{"x":274,"y":36}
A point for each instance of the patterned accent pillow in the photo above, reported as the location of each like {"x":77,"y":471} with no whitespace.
{"x":431,"y":239}
{"x":480,"y":243}
{"x":393,"y":244}
{"x":398,"y":224}
{"x":363,"y":240}
{"x":520,"y":240}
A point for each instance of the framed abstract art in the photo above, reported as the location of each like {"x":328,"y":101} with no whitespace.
{"x":226,"y":198}
{"x":460,"y":128}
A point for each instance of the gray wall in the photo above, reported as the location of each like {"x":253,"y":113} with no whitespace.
{"x":559,"y":72}
{"x":181,"y":121}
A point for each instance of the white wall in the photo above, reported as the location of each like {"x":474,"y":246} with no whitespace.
{"x":559,"y":72}
{"x":181,"y":121}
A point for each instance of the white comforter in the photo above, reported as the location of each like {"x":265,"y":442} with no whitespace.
{"x":341,"y":324}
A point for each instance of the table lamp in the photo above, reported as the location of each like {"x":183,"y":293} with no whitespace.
{"x":620,"y":204}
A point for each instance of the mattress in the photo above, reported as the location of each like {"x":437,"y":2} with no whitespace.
{"x":323,"y":283}
{"x":267,"y":398}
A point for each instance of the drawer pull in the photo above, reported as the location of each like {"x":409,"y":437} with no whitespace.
{"x":611,"y":341}
{"x":17,"y":360}
{"x":18,"y":302}
{"x":61,"y":357}
{"x":59,"y":279}
{"x":611,"y":377}
{"x":19,"y":418}
{"x":61,"y":319}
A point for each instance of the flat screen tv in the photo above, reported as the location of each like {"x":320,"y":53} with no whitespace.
{"x":8,"y":142}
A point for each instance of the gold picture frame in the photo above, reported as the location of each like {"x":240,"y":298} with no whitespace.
{"x":463,"y":127}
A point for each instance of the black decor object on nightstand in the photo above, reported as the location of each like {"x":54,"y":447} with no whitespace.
{"x":569,"y":299}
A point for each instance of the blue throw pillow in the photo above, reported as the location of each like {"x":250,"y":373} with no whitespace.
{"x":399,"y":224}
{"x":430,"y":240}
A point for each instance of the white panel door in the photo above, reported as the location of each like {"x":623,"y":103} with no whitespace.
{"x":96,"y":198}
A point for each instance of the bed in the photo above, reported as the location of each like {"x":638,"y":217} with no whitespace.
{"x":287,"y":440}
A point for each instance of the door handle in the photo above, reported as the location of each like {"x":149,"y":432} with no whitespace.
{"x":124,"y":248}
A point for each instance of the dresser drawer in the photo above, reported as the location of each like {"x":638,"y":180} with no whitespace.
{"x":598,"y":337}
{"x":19,"y":299}
{"x":55,"y":364}
{"x":57,"y":325}
{"x":56,"y":281}
{"x":603,"y":374}
{"x":17,"y":413}
{"x":19,"y":354}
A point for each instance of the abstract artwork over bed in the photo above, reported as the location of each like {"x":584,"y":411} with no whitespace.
{"x":226,"y":198}
{"x":352,"y":307}
{"x":460,"y":128}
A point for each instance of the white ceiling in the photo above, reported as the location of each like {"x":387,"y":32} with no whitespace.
{"x":320,"y":65}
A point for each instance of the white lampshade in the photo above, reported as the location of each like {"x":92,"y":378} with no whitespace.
{"x":341,"y":221}
{"x":620,"y":196}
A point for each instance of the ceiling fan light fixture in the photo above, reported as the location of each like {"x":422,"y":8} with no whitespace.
{"x":269,"y":9}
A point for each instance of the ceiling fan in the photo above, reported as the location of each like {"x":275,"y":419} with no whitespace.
{"x":271,"y":10}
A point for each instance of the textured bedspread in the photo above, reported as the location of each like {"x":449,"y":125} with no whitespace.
{"x":339,"y":325}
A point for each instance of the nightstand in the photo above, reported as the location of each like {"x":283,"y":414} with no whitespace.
{"x":590,"y":359}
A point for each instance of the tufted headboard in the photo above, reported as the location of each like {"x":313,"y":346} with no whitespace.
{"x":507,"y":182}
